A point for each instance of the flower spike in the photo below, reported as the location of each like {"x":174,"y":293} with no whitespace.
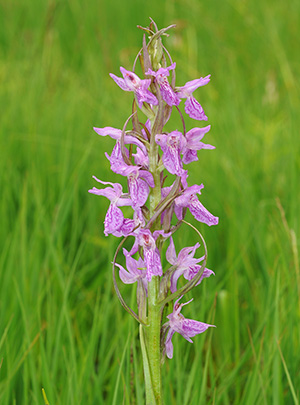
{"x":156,"y":198}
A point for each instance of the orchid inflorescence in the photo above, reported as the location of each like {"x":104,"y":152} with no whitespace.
{"x":147,"y":155}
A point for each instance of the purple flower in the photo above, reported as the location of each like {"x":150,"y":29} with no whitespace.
{"x":193,"y":144}
{"x":138,"y":184}
{"x":116,"y":134}
{"x":139,"y":220}
{"x":188,"y":199}
{"x":138,"y":180}
{"x":116,"y":159}
{"x":185,"y":263}
{"x":141,"y":159}
{"x":136,"y":271}
{"x":172,"y":145}
{"x":146,"y":240}
{"x":114,"y":221}
{"x":167,"y":92}
{"x":192,"y":106}
{"x":126,"y":228}
{"x":188,"y":328}
{"x":132,"y":82}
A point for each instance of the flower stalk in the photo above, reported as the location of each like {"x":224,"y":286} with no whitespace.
{"x":153,"y":339}
{"x":151,"y":158}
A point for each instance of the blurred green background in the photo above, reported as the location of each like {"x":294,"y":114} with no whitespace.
{"x":61,"y":325}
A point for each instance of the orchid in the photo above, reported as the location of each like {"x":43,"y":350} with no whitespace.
{"x":193,"y":144}
{"x":151,"y":158}
{"x":192,"y":107}
{"x":116,"y":159}
{"x":187,"y":328}
{"x":116,"y":134}
{"x":138,"y":184}
{"x":138,"y":180}
{"x":168,"y":94}
{"x":132,"y":82}
{"x":171,"y":145}
{"x":141,"y":159}
{"x":189,"y":200}
{"x":151,"y":254}
{"x":185,"y":264}
{"x":114,"y":219}
{"x":135,"y":270}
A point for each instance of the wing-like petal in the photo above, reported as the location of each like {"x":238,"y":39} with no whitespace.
{"x":192,"y":328}
{"x":125,"y":276}
{"x":169,"y":344}
{"x":120,"y":82}
{"x":191,"y":86}
{"x":171,"y":253}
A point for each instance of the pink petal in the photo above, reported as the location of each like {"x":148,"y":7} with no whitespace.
{"x":125,"y":276}
{"x":120,"y":82}
{"x":131,"y":79}
{"x":193,"y":328}
{"x":191,"y":86}
{"x":194,"y":109}
{"x":169,"y":344}
{"x":146,"y":96}
{"x":113,"y":219}
{"x":195,"y":135}
{"x":168,"y":94}
{"x":201,"y":213}
{"x":147,"y":176}
{"x":189,"y":156}
{"x":174,"y":278}
{"x":114,"y":133}
{"x":171,"y":253}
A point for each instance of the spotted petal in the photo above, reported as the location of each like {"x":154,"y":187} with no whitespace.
{"x":113,"y":220}
{"x":194,"y":109}
{"x":201,"y":213}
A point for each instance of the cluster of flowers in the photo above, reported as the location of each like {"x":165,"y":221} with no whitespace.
{"x":145,"y":155}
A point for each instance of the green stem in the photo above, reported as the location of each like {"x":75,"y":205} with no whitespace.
{"x":152,"y":370}
{"x":150,"y":397}
{"x":153,"y":339}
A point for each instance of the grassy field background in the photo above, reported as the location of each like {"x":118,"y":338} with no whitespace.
{"x":61,"y":325}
